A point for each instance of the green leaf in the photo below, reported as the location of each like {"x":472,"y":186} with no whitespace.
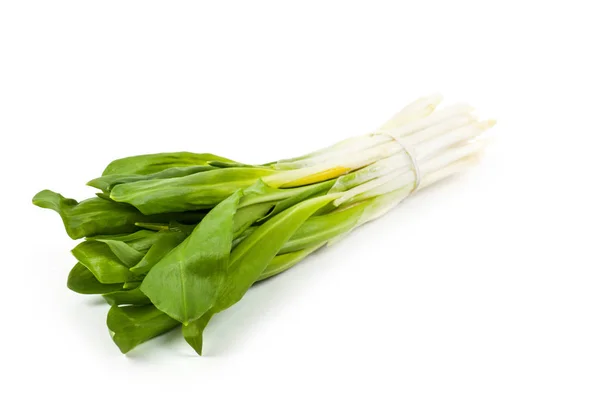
{"x":262,"y":201}
{"x":260,"y":192}
{"x":97,"y":216}
{"x":127,"y":297}
{"x":307,"y":192}
{"x":132,"y":284}
{"x":184,"y":284}
{"x":102,"y":262}
{"x":193,"y":331}
{"x":284,"y":262}
{"x":250,"y":258}
{"x":133,"y":325}
{"x":107,"y":182}
{"x":140,"y":240}
{"x":246,"y":216}
{"x":153,"y":163}
{"x":81,"y":280}
{"x":167,"y":241}
{"x":193,"y":192}
{"x":91,"y":217}
{"x":124,"y":252}
{"x":319,"y":229}
{"x":247,"y":261}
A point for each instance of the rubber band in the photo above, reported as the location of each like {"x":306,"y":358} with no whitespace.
{"x":410,"y":152}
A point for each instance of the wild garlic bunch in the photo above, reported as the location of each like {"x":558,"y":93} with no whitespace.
{"x":174,"y":238}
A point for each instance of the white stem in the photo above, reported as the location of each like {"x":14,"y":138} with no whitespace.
{"x":431,"y":147}
{"x":418,"y":109}
{"x":404,"y":176}
{"x":400,"y":194}
{"x":343,"y":150}
{"x":380,"y":157}
{"x":439,"y":129}
{"x":433,"y":119}
{"x":408,"y":123}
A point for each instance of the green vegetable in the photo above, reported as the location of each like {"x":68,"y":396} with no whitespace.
{"x":154,"y":163}
{"x":127,"y":297}
{"x":102,"y":262}
{"x":176,"y":238}
{"x":81,"y":280}
{"x":98,"y":216}
{"x":193,"y":192}
{"x":165,"y":242}
{"x":133,"y":325}
{"x":184,"y":284}
{"x":107,"y":182}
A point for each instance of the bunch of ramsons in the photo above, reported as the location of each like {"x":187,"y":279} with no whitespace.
{"x":174,"y":238}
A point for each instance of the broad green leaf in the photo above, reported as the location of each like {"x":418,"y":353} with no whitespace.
{"x":127,"y":297}
{"x":322,"y":228}
{"x":133,"y":325}
{"x":129,"y":249}
{"x":260,"y":192}
{"x":140,"y":240}
{"x":193,"y":331}
{"x":193,"y":192}
{"x":91,"y":217}
{"x":317,"y":228}
{"x":263,"y":201}
{"x":307,"y":192}
{"x":132,"y":284}
{"x":185,"y":283}
{"x":167,"y":241}
{"x":284,"y":262}
{"x":124,"y":252}
{"x":102,"y":262}
{"x":97,"y":216}
{"x":81,"y":280}
{"x":246,"y":216}
{"x":250,"y":258}
{"x":107,"y":182}
{"x":153,"y":163}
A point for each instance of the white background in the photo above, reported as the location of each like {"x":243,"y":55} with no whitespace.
{"x":483,"y":287}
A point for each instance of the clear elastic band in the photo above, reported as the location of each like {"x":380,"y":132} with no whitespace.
{"x":410,"y":152}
